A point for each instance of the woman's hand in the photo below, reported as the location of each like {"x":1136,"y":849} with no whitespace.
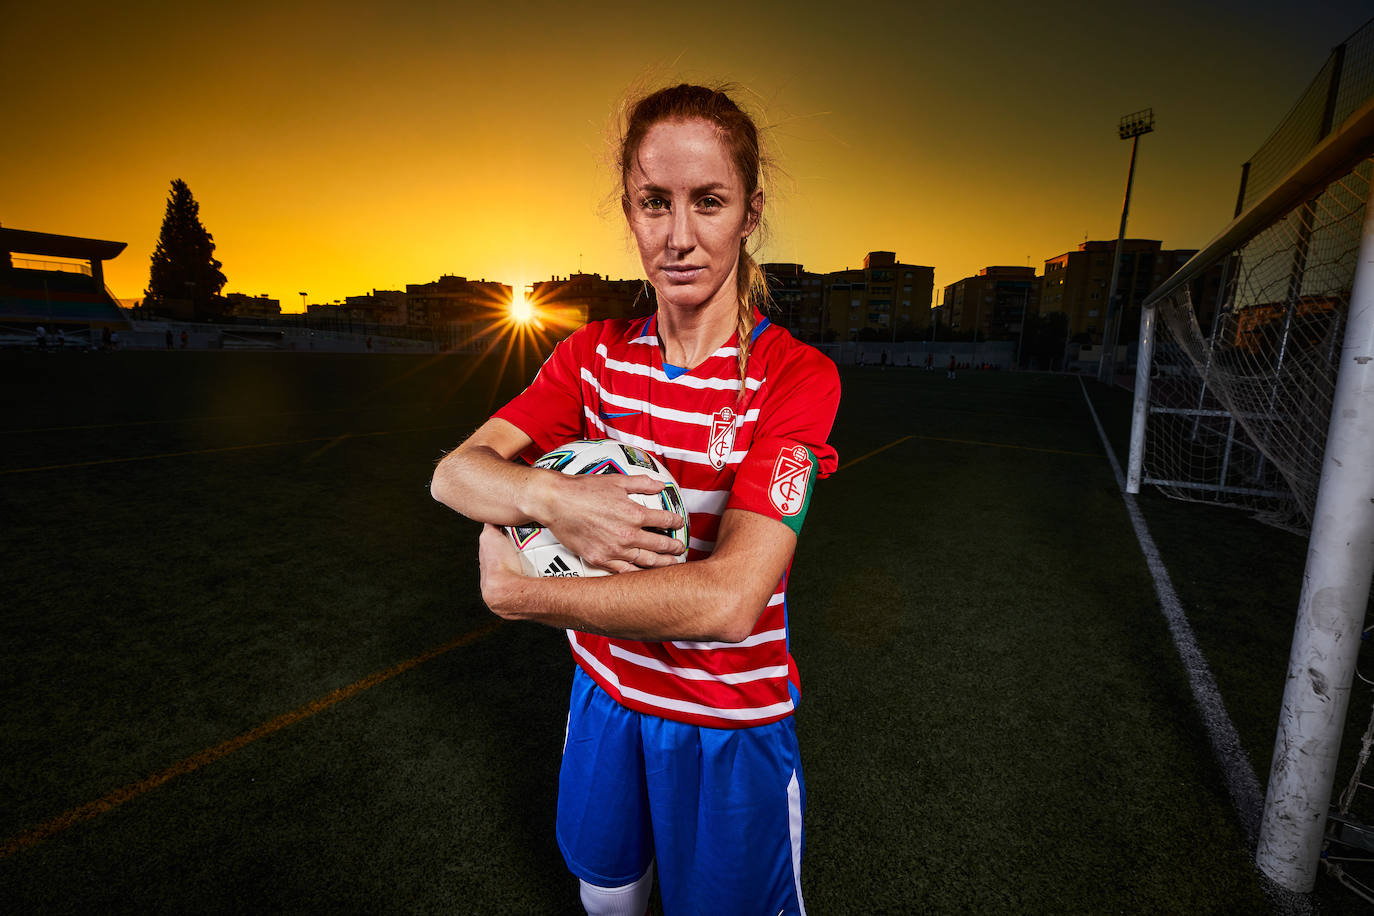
{"x":499,"y":565}
{"x":593,"y":516}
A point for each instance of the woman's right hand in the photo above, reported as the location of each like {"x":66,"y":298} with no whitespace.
{"x":594,"y":516}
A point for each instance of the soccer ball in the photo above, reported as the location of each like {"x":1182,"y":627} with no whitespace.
{"x":540,"y":552}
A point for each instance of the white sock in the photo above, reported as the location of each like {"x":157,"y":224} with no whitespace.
{"x":627,"y":900}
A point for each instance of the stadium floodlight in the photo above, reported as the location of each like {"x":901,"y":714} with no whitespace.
{"x":1133,"y":126}
{"x":1136,"y":124}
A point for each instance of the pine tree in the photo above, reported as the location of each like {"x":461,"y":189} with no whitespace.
{"x":184,"y":266}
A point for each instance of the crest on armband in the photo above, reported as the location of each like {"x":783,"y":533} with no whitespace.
{"x":791,"y":476}
{"x":722,"y":441}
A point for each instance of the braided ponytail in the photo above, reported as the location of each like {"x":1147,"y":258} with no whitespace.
{"x":752,"y":292}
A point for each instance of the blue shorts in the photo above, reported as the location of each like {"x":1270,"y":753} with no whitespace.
{"x":720,"y":809}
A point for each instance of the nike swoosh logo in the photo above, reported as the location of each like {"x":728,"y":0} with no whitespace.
{"x":617,"y":416}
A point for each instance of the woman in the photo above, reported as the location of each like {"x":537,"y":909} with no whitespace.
{"x":681,"y":749}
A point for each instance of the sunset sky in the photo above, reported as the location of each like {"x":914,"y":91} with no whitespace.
{"x":339,"y":147}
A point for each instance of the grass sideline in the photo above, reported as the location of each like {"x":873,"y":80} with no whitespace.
{"x":993,"y":719}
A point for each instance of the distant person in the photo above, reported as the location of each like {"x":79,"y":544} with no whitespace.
{"x":882,"y":360}
{"x":114,"y":340}
{"x":930,"y":361}
{"x":681,"y":754}
{"x":861,"y":356}
{"x":40,"y":337}
{"x":61,"y":338}
{"x":105,"y":338}
{"x":952,"y":365}
{"x":170,"y":343}
{"x":185,"y":339}
{"x":369,"y":345}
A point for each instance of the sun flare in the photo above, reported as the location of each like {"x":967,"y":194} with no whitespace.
{"x":521,"y":309}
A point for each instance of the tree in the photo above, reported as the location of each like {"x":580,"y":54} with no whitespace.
{"x":184,"y":268}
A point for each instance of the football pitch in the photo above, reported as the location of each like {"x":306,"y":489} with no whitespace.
{"x":245,"y":667}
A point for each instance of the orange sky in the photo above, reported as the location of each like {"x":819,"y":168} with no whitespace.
{"x":339,"y":147}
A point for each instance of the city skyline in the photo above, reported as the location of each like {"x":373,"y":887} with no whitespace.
{"x":368,"y":149}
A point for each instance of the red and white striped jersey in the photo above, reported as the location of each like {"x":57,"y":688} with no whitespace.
{"x":761,"y":452}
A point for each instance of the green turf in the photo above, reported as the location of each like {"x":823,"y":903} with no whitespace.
{"x":993,"y":718}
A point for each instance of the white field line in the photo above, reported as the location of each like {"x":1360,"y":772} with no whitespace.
{"x":1236,"y":769}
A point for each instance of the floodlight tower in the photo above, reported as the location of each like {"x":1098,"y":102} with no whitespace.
{"x":1132,"y":127}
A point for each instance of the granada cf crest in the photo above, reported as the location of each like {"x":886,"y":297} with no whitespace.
{"x":791,"y":474}
{"x":722,"y":437}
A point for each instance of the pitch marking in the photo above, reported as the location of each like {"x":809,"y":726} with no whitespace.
{"x":324,"y":448}
{"x":855,"y":461}
{"x":1024,"y":448}
{"x":46,"y":830}
{"x":227,"y":448}
{"x":1236,"y":770}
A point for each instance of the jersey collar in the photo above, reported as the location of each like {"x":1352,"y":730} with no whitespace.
{"x":761,"y":323}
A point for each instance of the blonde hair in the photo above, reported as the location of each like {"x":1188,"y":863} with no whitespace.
{"x":741,"y":137}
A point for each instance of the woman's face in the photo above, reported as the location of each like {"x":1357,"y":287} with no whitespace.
{"x":687,"y":208}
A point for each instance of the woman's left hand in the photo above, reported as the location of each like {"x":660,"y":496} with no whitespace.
{"x":499,"y":564}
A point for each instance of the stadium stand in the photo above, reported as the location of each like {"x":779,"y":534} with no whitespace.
{"x":67,"y":294}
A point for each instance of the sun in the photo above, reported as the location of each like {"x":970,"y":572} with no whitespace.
{"x":519,"y":330}
{"x":521,"y":310}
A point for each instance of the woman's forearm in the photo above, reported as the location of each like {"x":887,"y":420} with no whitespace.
{"x":716,"y":599}
{"x":477,"y":481}
{"x":683,"y":601}
{"x":593,"y":515}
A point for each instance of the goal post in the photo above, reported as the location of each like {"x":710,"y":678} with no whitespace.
{"x":1331,"y":609}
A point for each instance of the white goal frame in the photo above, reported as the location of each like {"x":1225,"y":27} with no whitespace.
{"x":1340,"y":558}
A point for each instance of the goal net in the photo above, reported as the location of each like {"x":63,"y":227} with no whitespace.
{"x":1241,"y":386}
{"x":1244,"y":362}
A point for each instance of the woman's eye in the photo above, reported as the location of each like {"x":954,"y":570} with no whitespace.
{"x":655,"y":203}
{"x":711,"y":203}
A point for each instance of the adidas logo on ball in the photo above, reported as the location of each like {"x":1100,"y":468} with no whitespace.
{"x":558,"y":568}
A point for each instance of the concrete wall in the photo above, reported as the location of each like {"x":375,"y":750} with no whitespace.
{"x":152,"y":335}
{"x":997,"y":354}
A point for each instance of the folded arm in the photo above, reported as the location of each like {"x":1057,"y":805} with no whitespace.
{"x":715,"y":599}
{"x":592,"y":515}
